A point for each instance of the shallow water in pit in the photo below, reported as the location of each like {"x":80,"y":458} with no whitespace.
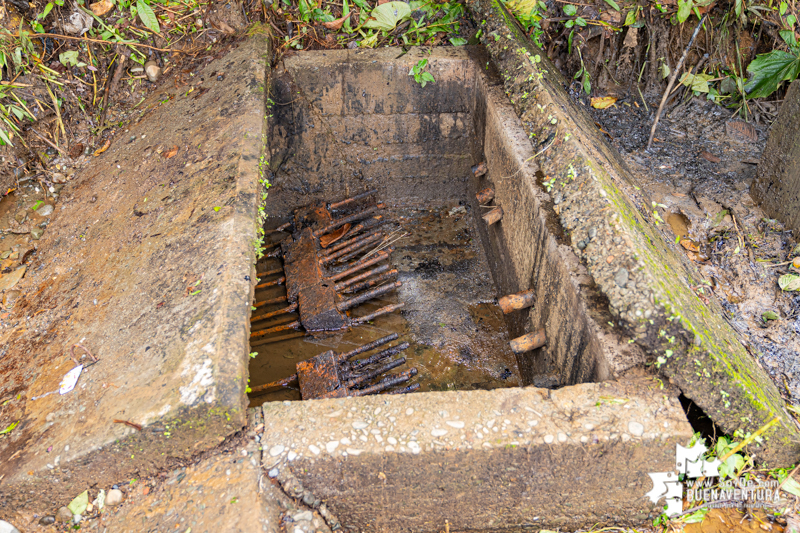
{"x":457,"y":334}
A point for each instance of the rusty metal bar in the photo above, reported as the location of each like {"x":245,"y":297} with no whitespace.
{"x":371,"y":222}
{"x":279,"y":338}
{"x":380,"y":312}
{"x":369,"y":295}
{"x":372,"y":374}
{"x":528,"y":342}
{"x":353,"y":240}
{"x":352,"y":199}
{"x":390,"y":381}
{"x":277,"y":300}
{"x":372,"y":282}
{"x":493,"y":216}
{"x":485,"y":196}
{"x":405,"y":390}
{"x":377,"y":270}
{"x":346,"y":220}
{"x":280,"y":228}
{"x":352,"y":249}
{"x":366,"y":347}
{"x":380,"y":256}
{"x":290,"y":309}
{"x":357,"y":251}
{"x":372,"y":359}
{"x":269,"y":273}
{"x":281,"y":383}
{"x":277,"y":329}
{"x":515,"y":302}
{"x":280,"y":281}
{"x":388,"y":250}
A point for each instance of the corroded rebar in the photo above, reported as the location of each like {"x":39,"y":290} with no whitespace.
{"x":380,"y":256}
{"x":281,"y":383}
{"x":371,"y":282}
{"x":276,"y":329}
{"x":277,"y":300}
{"x":372,"y":374}
{"x":269,"y":273}
{"x":280,"y":281}
{"x":366,"y":347}
{"x":369,"y":295}
{"x":348,"y":242}
{"x":387,"y":382}
{"x":352,"y":199}
{"x":405,"y":390}
{"x":290,"y":309}
{"x":345,"y":253}
{"x":380,"y":312}
{"x":361,"y":277}
{"x":372,"y":359}
{"x":346,"y":220}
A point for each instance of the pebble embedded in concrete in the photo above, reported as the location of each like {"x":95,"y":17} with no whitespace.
{"x":621,"y":277}
{"x":636,"y":429}
{"x":5,"y":527}
{"x":63,"y":515}
{"x":114,"y":497}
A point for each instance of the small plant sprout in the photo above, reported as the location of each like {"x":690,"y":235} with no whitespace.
{"x":253,"y":355}
{"x":421,"y":76}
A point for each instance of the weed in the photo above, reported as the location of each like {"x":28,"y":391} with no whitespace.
{"x":421,"y":76}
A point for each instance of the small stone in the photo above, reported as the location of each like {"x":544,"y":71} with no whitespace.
{"x":358,"y":424}
{"x":291,"y":456}
{"x":409,"y":411}
{"x":562,"y":437}
{"x":114,"y":497}
{"x":581,"y":245}
{"x":314,"y":449}
{"x":392,"y":441}
{"x":152,"y":70}
{"x":558,"y":198}
{"x":621,"y":277}
{"x":36,"y":233}
{"x":414,"y":447}
{"x":354,"y":451}
{"x":303,"y":515}
{"x":64,"y":515}
{"x":273,"y":473}
{"x":610,"y":259}
{"x":548,"y":439}
{"x":47,"y":520}
{"x":332,"y":445}
{"x":5,"y":527}
{"x":636,"y":429}
{"x":592,"y":232}
{"x":458,"y":424}
{"x":45,"y":211}
{"x":439,"y":432}
{"x":276,"y":450}
{"x":59,"y":178}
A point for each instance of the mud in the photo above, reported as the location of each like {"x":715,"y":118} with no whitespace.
{"x":699,"y":173}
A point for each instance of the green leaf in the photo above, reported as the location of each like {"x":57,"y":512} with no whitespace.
{"x":791,"y":20}
{"x":789,"y":282}
{"x":769,"y":315}
{"x":791,"y":486}
{"x":386,"y":16}
{"x":70,"y":59}
{"x":570,"y":10}
{"x":79,"y":504}
{"x":769,"y":70}
{"x":684,"y":10}
{"x":580,"y":21}
{"x":613,"y":4}
{"x":587,"y":84}
{"x":695,"y":517}
{"x":458,"y":41}
{"x":147,"y":16}
{"x":738,"y":7}
{"x":696,"y":82}
{"x":10,"y":428}
{"x":5,"y":141}
{"x":783,"y":7}
{"x":665,"y":70}
{"x":569,"y":24}
{"x":630,"y":18}
{"x":427,"y":76}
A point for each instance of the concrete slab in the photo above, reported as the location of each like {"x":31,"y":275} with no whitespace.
{"x":777,"y":184}
{"x":609,"y":225}
{"x":487,"y":460}
{"x":148,"y":264}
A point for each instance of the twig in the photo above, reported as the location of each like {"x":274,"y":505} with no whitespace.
{"x":48,"y":141}
{"x":750,"y":439}
{"x":672,"y":80}
{"x":127,"y":423}
{"x":102,"y":41}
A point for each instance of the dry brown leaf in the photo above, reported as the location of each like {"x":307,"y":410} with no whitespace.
{"x":708,"y":156}
{"x":330,"y":238}
{"x":101,"y":8}
{"x":603,"y":102}
{"x":8,"y":281}
{"x":102,"y":148}
{"x":171,"y":153}
{"x":336,"y":24}
{"x":223,"y":26}
{"x":690,"y":245}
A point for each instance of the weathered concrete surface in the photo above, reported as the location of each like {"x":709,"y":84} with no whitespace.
{"x":777,"y":184}
{"x":357,"y":120}
{"x":147,"y":263}
{"x":484,"y":460}
{"x":609,"y":226}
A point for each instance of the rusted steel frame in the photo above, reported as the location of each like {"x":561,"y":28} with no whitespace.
{"x":385,"y":383}
{"x":515,"y":302}
{"x":365,"y":347}
{"x":348,"y":242}
{"x":290,"y":309}
{"x":280,"y":281}
{"x":269,"y":272}
{"x":405,"y":390}
{"x":372,"y":282}
{"x":528,"y":342}
{"x":277,"y":300}
{"x":372,"y":359}
{"x":377,"y":270}
{"x":346,"y":201}
{"x":380,"y":256}
{"x":276,"y":329}
{"x":279,"y":338}
{"x":355,"y":382}
{"x":485,"y":196}
{"x":273,"y":385}
{"x":380,"y":312}
{"x":369,"y":295}
{"x":359,"y":250}
{"x":280,"y":228}
{"x":352,"y":249}
{"x":346,"y":220}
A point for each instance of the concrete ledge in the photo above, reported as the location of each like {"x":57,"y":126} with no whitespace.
{"x":609,"y":225}
{"x":133,"y":230}
{"x":482,"y":460}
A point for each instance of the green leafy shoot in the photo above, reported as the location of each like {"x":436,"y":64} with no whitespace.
{"x":421,"y":76}
{"x":773,"y":68}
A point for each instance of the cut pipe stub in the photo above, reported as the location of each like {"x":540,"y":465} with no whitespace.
{"x":515,"y":302}
{"x":485,"y":196}
{"x":493,"y":216}
{"x":528,"y":342}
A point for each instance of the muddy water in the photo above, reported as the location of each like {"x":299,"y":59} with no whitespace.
{"x":457,"y":334}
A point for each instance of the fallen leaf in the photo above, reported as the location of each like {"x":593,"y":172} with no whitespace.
{"x":387,"y":16}
{"x":171,"y":153}
{"x":103,"y":148}
{"x":101,"y":8}
{"x":603,"y":102}
{"x":791,"y":486}
{"x":79,"y":504}
{"x":769,"y":315}
{"x":789,"y":282}
{"x":337,"y":24}
{"x":7,"y":281}
{"x":76,"y":150}
{"x":330,"y":238}
{"x":10,"y":428}
{"x":690,"y":245}
{"x":708,"y":156}
{"x":221,"y":25}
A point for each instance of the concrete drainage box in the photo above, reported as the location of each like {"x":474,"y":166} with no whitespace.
{"x":344,"y":122}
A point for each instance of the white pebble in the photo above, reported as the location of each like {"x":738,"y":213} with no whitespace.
{"x":409,"y":411}
{"x":358,"y":424}
{"x":458,"y":424}
{"x":276,"y":450}
{"x":439,"y":432}
{"x":636,"y":429}
{"x":354,"y":451}
{"x":392,"y":441}
{"x":292,"y":456}
{"x":548,"y":439}
{"x":562,"y":437}
{"x":315,"y":450}
{"x":332,"y":445}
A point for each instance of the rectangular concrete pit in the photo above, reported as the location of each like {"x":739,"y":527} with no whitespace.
{"x":486,"y":460}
